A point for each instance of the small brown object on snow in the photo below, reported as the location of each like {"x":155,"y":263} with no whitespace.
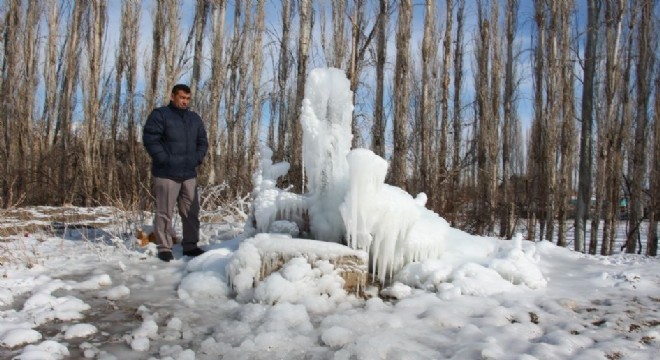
{"x":145,"y":238}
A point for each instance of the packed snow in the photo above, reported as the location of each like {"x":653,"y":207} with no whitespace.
{"x":272,"y":292}
{"x":529,"y":300}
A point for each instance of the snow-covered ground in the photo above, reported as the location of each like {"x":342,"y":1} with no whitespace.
{"x":81,"y":294}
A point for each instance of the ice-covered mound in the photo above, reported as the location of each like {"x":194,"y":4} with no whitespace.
{"x":264,"y":268}
{"x":479,"y":266}
{"x":348,"y":201}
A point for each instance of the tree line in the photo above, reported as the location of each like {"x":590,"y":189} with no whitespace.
{"x":444,"y":105}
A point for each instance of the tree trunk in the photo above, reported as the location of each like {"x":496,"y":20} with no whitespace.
{"x":353,"y":69}
{"x":10,"y":77}
{"x":457,"y":118}
{"x":338,"y":33}
{"x":378,"y":130}
{"x":120,"y":67}
{"x":231,"y":160}
{"x":567,"y":137}
{"x":174,"y":51}
{"x":201,"y":11}
{"x":282,"y":79}
{"x":586,"y":137}
{"x":552,"y":112}
{"x":426,"y":110}
{"x":304,"y":41}
{"x":643,"y":77}
{"x":442,"y":178}
{"x":484,"y":121}
{"x":537,"y":148}
{"x":96,"y":21}
{"x":216,"y":90}
{"x":654,"y":204}
{"x":399,"y":168}
{"x":48,"y":119}
{"x":157,"y":39}
{"x":494,"y":121}
{"x":240,"y":161}
{"x":613,"y":21}
{"x":67,"y":103}
{"x":257,"y":57}
{"x":24,"y":161}
{"x":507,"y":210}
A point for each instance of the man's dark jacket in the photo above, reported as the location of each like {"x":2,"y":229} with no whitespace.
{"x":176,"y":141}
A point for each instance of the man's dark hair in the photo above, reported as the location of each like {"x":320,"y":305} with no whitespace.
{"x":180,"y":87}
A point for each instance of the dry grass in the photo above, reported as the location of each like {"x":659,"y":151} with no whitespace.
{"x":17,"y":222}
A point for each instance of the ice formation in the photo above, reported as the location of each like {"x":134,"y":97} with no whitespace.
{"x":271,"y":203}
{"x":347,"y":199}
{"x":326,"y":122}
{"x":261,"y":255}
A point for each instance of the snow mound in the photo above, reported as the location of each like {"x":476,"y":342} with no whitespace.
{"x":80,"y":330}
{"x":284,"y":269}
{"x":19,"y":336}
{"x":496,"y":268}
{"x":47,"y":350}
{"x":115,"y":293}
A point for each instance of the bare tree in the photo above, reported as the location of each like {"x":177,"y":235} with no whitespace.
{"x":159,"y":27}
{"x":494,"y":121}
{"x":120,"y":68}
{"x":398,"y":172}
{"x":173,"y":48}
{"x":360,"y":42}
{"x":216,"y":89}
{"x":654,"y":204}
{"x":95,"y":24}
{"x":244,"y":51}
{"x":282,"y":79}
{"x":586,"y":137}
{"x":614,"y":10}
{"x":441,"y":180}
{"x":426,"y":109}
{"x":138,"y":158}
{"x":568,"y":133}
{"x":201,"y":14}
{"x":25,"y":160}
{"x":67,"y":102}
{"x":644,"y":67}
{"x":549,"y":121}
{"x":125,"y":67}
{"x":257,"y":57}
{"x":52,"y":59}
{"x":335,"y":54}
{"x":535,"y":175}
{"x":304,"y":41}
{"x":50,"y":73}
{"x":10,"y":76}
{"x":378,"y":130}
{"x":487,"y":109}
{"x":234,"y":62}
{"x":507,"y":217}
{"x":457,"y":118}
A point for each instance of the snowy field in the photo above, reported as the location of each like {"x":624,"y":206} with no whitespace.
{"x":84,"y":292}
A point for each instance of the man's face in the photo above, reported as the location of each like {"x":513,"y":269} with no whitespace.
{"x":180,"y":99}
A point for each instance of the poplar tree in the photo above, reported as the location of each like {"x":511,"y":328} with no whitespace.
{"x":398,"y":171}
{"x":586,"y":136}
{"x":378,"y":129}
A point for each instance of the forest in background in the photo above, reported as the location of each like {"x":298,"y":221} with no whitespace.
{"x":444,"y":107}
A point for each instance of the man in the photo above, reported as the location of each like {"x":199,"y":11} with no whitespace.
{"x":176,"y":141}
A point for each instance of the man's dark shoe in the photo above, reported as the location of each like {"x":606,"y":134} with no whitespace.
{"x":166,"y":256}
{"x":193,"y":252}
